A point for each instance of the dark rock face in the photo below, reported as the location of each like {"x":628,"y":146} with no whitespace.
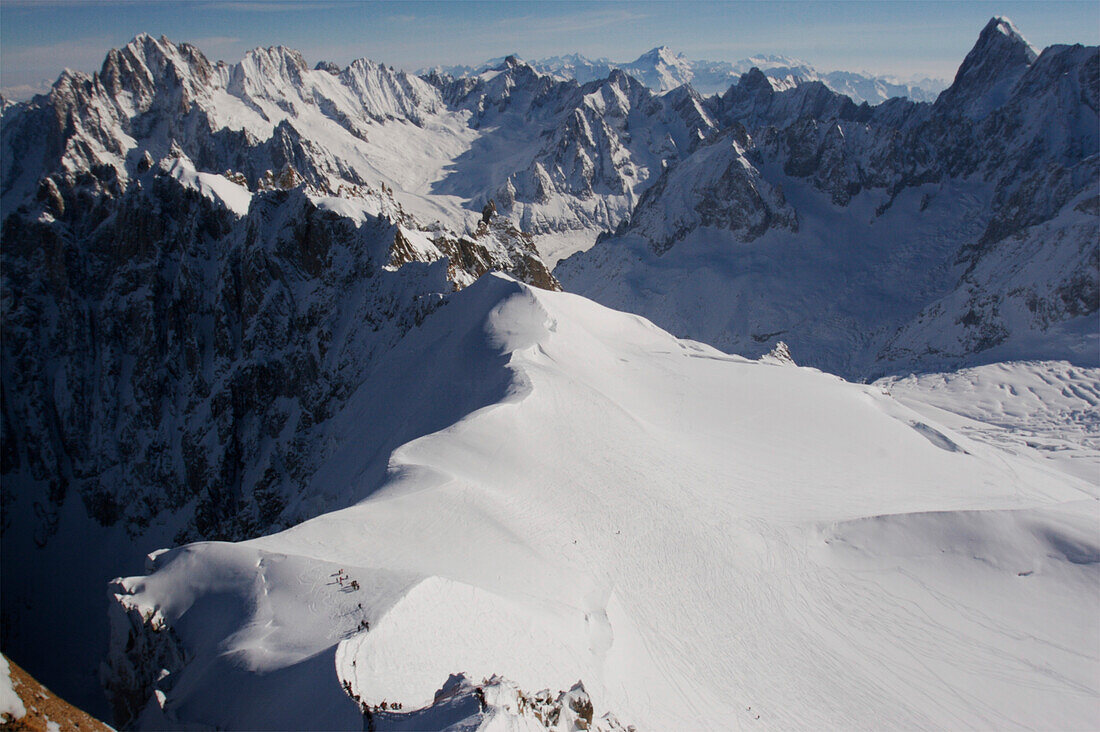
{"x":176,"y":354}
{"x":162,"y":354}
{"x":988,"y":73}
{"x":488,"y":212}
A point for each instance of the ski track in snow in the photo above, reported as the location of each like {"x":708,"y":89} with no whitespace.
{"x":726,"y":540}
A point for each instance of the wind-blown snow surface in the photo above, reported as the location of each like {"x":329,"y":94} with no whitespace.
{"x":1050,"y":409}
{"x":705,"y":541}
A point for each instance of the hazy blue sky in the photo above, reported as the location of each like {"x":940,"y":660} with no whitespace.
{"x":40,"y":38}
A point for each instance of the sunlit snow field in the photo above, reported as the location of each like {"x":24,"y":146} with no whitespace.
{"x":705,"y":541}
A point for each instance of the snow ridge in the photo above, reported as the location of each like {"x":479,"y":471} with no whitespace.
{"x":669,"y":513}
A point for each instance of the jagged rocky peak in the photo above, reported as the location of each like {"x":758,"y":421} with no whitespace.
{"x":1019,"y":127}
{"x":989,"y":72}
{"x":268,"y":72}
{"x":279,"y":60}
{"x":753,"y":92}
{"x":147,"y":66}
{"x":780,"y":354}
{"x":389,"y":93}
{"x":754,"y":78}
{"x":717,"y":188}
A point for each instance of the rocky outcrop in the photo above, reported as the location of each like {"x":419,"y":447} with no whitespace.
{"x":144,"y":650}
{"x":36,"y":707}
{"x":462,"y":704}
{"x":716,"y":188}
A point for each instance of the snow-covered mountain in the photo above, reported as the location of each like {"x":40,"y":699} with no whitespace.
{"x":885,"y":238}
{"x":172,"y":355}
{"x":566,"y":160}
{"x":663,"y":69}
{"x":718,"y":527}
{"x":242,"y":300}
{"x":558,"y":158}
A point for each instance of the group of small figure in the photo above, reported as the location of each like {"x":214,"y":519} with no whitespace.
{"x":386,"y":706}
{"x":369,"y":710}
{"x":342,"y":577}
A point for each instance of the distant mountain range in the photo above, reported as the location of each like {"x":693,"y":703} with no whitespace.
{"x":662,"y":69}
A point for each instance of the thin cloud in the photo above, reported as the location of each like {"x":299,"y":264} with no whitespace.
{"x":253,"y":6}
{"x":574,"y":23}
{"x":22,"y":92}
{"x":33,"y":62}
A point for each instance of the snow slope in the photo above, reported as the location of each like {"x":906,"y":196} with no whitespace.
{"x":1048,"y":409}
{"x":833,"y":285}
{"x":704,"y":541}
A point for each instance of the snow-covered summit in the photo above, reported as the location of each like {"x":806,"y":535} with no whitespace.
{"x":661,"y":69}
